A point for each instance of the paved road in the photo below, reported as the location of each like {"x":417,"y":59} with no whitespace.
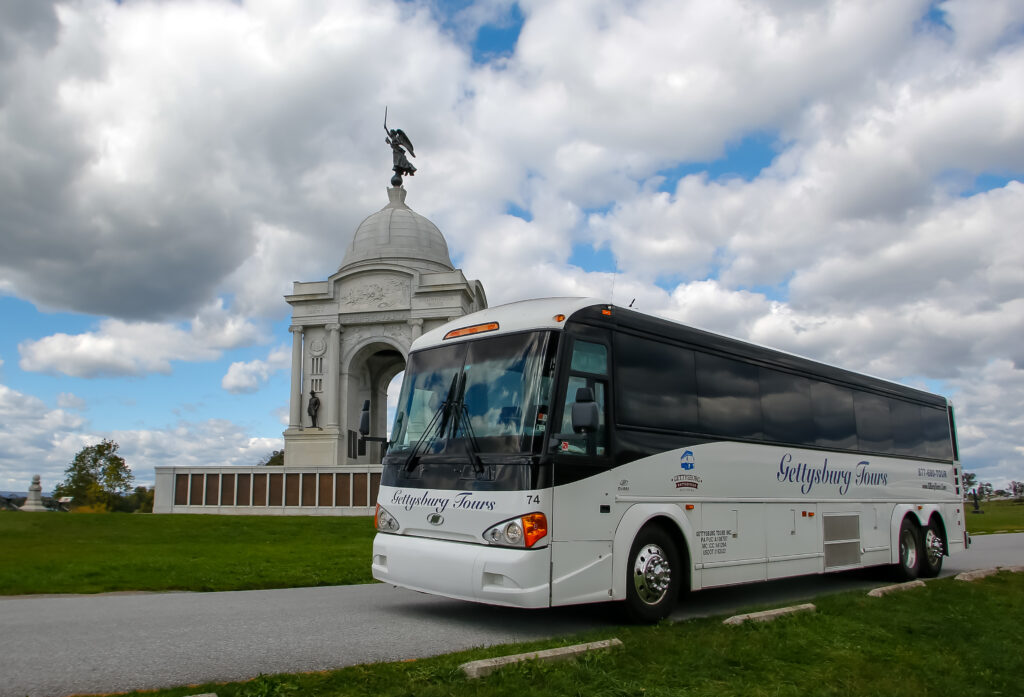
{"x":113,"y":643}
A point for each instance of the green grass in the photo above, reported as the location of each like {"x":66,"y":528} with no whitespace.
{"x":999,"y":516}
{"x":949,"y":638}
{"x":92,"y":553}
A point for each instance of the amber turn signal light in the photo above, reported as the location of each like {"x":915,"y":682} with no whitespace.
{"x":475,"y":329}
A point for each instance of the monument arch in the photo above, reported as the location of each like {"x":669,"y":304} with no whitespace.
{"x":351,"y":334}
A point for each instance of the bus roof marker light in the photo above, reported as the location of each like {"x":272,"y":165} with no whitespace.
{"x":474,"y":329}
{"x":559,"y":318}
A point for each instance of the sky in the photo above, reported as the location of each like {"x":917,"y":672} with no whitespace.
{"x":843,"y":180}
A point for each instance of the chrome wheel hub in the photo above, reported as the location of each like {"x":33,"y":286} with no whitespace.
{"x":651,"y":574}
{"x":933,"y":547}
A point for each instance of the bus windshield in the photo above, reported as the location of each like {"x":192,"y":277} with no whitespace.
{"x":490,"y":395}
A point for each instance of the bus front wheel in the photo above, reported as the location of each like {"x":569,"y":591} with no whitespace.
{"x":909,"y":565}
{"x":655,"y":573}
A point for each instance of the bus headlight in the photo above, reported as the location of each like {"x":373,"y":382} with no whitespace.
{"x":384,"y":521}
{"x":525,"y":531}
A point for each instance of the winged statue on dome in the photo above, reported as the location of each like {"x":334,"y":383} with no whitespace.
{"x":399,"y":143}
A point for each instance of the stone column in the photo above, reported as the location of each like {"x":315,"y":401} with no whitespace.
{"x":343,"y":398}
{"x":333,"y":368}
{"x":379,"y":423}
{"x":417,"y":327}
{"x":295,"y":412}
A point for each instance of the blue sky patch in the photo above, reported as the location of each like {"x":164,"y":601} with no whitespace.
{"x":743,"y":160}
{"x":498,"y":40}
{"x":519,"y":212}
{"x":493,"y":40}
{"x":589,"y":258}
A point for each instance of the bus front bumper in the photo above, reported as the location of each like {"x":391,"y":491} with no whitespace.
{"x":480,"y":573}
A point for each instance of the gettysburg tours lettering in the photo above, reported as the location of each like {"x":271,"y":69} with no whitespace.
{"x":807,"y":475}
{"x":461,"y":501}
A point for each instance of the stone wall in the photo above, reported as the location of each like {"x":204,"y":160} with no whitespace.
{"x":342,"y":490}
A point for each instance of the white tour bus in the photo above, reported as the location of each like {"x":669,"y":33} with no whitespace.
{"x":563,"y":450}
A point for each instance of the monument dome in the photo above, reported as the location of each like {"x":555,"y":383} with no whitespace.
{"x":396,"y":232}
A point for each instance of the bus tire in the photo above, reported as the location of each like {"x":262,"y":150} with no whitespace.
{"x":909,"y":565}
{"x":655,"y":573}
{"x":933,"y":548}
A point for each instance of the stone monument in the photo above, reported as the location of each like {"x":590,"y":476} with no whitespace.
{"x":34,"y":502}
{"x":351,"y":333}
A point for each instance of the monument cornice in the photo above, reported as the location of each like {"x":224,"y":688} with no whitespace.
{"x":383,"y":316}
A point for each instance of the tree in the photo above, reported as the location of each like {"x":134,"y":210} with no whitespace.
{"x":970,"y":479}
{"x":1017,"y":490}
{"x":985,"y":489}
{"x":275,"y":458}
{"x":98,"y":477}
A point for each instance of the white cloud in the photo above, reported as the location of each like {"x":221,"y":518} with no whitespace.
{"x":121,"y":348}
{"x":990,"y":418}
{"x":156,"y":157}
{"x":69,"y":400}
{"x":249,"y":376}
{"x":38,"y":440}
{"x":211,"y":442}
{"x":35,"y":440}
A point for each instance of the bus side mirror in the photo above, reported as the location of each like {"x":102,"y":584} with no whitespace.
{"x":585,"y":414}
{"x":364,"y":419}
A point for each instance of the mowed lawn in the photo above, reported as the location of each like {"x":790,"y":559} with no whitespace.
{"x":92,"y":553}
{"x":998,"y":516}
{"x":948,"y":638}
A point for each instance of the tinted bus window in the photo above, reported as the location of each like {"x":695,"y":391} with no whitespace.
{"x":834,"y":422}
{"x":729,"y":398}
{"x":936,"y":433}
{"x":907,"y":436}
{"x":874,"y":425}
{"x":786,"y":407}
{"x":655,"y":384}
{"x":589,"y":358}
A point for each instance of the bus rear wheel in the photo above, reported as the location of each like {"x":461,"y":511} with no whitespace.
{"x":909,"y":565}
{"x":655,"y":573}
{"x":933,"y":548}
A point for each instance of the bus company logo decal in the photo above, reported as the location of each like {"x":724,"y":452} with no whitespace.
{"x":464,"y":500}
{"x":807,"y":475}
{"x":687,"y":481}
{"x":686,"y":460}
{"x":435,"y":518}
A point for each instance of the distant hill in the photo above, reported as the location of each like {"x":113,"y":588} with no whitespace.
{"x":22,"y":494}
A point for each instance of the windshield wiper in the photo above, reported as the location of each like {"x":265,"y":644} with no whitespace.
{"x":440,"y":418}
{"x":461,"y":418}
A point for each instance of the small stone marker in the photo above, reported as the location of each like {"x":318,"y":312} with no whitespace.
{"x":886,"y":590}
{"x":477,"y":669}
{"x":975,"y":575}
{"x":1013,"y":569}
{"x":34,"y":502}
{"x":769,"y":615}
